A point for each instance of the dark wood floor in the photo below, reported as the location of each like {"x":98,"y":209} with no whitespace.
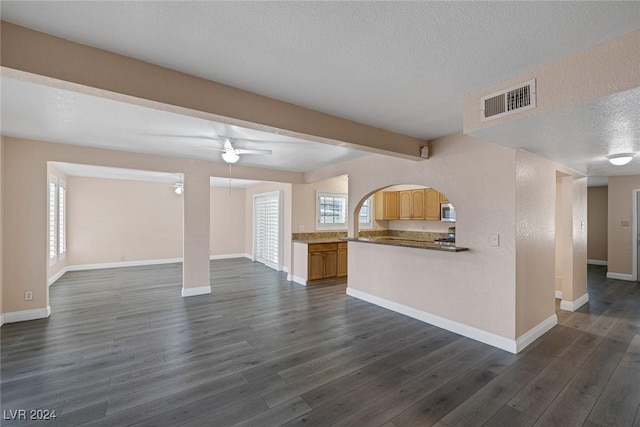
{"x":122,"y":347}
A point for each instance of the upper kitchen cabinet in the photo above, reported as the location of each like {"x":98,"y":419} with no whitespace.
{"x":387,"y":205}
{"x":412,"y":204}
{"x":432,"y":204}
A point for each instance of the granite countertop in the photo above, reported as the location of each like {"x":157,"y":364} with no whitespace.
{"x":391,"y":241}
{"x":325,"y":240}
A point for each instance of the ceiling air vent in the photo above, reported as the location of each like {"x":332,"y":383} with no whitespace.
{"x":509,"y":101}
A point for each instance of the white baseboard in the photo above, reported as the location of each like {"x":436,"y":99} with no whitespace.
{"x":192,"y":292}
{"x":1,"y":319}
{"x":24,"y":315}
{"x":229,"y":256}
{"x":574,"y":305}
{"x":56,"y":276}
{"x":558,"y":294}
{"x":285,"y":269}
{"x":81,"y":267}
{"x":597,"y":262}
{"x":619,"y":276}
{"x":296,"y":279}
{"x":536,"y":332}
{"x":490,"y":338}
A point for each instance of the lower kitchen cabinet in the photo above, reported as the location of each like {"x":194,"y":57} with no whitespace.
{"x":327,"y":261}
{"x":342,"y":259}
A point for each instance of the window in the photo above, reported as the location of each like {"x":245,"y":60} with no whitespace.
{"x":331,"y":210}
{"x":53,"y":220}
{"x":62,"y":226}
{"x":365,"y":213}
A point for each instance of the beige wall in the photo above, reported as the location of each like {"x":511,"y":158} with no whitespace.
{"x":228,"y":221}
{"x":53,"y":269}
{"x":535,"y":212}
{"x":113,"y":220}
{"x":1,"y":224}
{"x":620,"y":223}
{"x":597,"y":224}
{"x":475,"y":288}
{"x":25,"y":201}
{"x":505,"y":290}
{"x":287,"y":206}
{"x":304,"y":202}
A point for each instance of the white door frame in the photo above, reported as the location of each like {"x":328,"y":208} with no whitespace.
{"x":280,"y":195}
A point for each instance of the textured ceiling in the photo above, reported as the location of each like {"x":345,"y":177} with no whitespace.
{"x":580,"y":137}
{"x":39,"y":112}
{"x":401,"y":66}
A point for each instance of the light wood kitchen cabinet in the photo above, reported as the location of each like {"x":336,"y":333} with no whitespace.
{"x":443,"y":199}
{"x":327,"y":261}
{"x":342,"y":259}
{"x":387,"y":205}
{"x":412,"y":204}
{"x":431,"y":204}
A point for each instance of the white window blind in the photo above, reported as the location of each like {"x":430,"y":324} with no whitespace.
{"x":365,"y":213}
{"x":331,"y":210}
{"x":53,"y":223}
{"x":62,"y":218}
{"x":267,"y":209}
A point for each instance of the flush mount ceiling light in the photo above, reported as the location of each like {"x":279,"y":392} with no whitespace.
{"x":620,"y":159}
{"x":179,"y":187}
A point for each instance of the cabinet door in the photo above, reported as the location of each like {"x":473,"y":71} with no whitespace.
{"x":342,"y":261}
{"x":405,"y":205}
{"x":316,"y":265}
{"x":417,"y":204}
{"x":390,"y":204}
{"x":330,"y":264}
{"x":431,"y":205}
{"x":443,"y":198}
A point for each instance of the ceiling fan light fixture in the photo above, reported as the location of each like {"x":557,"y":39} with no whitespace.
{"x":230,"y":156}
{"x":620,"y":159}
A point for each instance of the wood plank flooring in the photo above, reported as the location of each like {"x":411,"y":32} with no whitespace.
{"x":122,"y":347}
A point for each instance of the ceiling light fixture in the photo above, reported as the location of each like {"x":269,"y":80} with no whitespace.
{"x":179,"y":187}
{"x":230,"y":156}
{"x":620,"y":159}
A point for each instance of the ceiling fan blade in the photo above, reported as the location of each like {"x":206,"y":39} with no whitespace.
{"x":257,"y":140}
{"x":243,"y":151}
{"x":168,"y":135}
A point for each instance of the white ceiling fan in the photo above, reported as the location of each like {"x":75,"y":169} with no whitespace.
{"x":231,"y":154}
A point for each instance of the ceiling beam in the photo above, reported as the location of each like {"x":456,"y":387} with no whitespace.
{"x":99,"y":72}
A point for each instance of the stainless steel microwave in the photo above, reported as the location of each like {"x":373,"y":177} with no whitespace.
{"x":447,"y":213}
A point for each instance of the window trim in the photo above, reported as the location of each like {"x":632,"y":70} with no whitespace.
{"x":332,"y":226}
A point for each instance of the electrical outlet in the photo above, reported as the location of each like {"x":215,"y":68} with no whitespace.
{"x":28,"y":295}
{"x":495,"y":240}
{"x":301,"y":228}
